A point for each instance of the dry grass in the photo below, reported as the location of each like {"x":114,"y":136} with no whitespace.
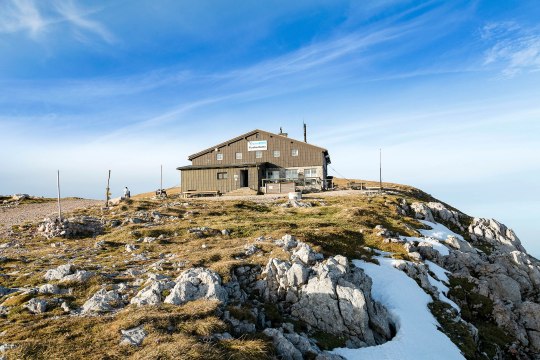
{"x":344,"y":225}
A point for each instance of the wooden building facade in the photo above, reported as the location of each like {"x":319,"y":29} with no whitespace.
{"x":254,"y":160}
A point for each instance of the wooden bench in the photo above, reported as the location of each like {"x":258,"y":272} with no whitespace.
{"x":195,"y":193}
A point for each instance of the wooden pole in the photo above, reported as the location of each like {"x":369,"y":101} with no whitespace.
{"x":58,"y":188}
{"x":107,"y":191}
{"x":380,"y":170}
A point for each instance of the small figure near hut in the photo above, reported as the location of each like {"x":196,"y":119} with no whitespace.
{"x":127,"y":194}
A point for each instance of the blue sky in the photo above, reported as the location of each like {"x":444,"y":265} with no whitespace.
{"x":448,"y":89}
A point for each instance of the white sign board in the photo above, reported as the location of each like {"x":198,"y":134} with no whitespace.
{"x":257,"y":145}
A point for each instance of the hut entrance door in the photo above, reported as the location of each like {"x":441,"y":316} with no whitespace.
{"x":244,"y":178}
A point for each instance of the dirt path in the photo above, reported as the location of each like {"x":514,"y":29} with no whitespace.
{"x":10,"y":216}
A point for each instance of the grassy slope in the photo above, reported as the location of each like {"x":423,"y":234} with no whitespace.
{"x":337,"y":225}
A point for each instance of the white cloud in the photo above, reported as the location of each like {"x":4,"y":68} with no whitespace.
{"x":514,"y":48}
{"x":21,"y":15}
{"x":78,"y":18}
{"x":36,"y":18}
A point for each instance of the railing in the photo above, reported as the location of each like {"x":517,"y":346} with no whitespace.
{"x":306,"y":181}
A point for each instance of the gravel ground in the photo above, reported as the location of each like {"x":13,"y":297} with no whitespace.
{"x":34,"y":212}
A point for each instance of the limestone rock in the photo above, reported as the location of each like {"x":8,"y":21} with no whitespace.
{"x":529,"y":313}
{"x":59,"y":272}
{"x":50,"y":289}
{"x":102,"y":301}
{"x":287,"y":242}
{"x":36,"y":306}
{"x":284,"y":348}
{"x":305,"y":254}
{"x":133,"y":336}
{"x":495,"y":233}
{"x":195,"y":284}
{"x":152,"y":294}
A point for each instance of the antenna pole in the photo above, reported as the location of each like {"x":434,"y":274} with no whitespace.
{"x":305,"y":132}
{"x":380,"y":170}
{"x":161,"y":183}
{"x":58,"y":188}
{"x":107,"y":191}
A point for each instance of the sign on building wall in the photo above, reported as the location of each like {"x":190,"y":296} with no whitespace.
{"x":257,"y":145}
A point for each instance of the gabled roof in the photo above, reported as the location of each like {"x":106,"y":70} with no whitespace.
{"x":243,"y":136}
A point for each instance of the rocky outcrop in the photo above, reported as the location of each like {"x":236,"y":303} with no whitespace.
{"x":495,"y":234}
{"x":152,"y":294}
{"x":497,"y":266}
{"x":67,"y":273}
{"x":329,"y":296}
{"x":197,"y":283}
{"x":433,"y":211}
{"x":102,"y":301}
{"x":81,"y":226}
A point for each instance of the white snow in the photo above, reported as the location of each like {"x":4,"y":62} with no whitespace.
{"x":443,"y":292}
{"x":438,"y":271}
{"x":438,"y":231}
{"x":417,"y":336}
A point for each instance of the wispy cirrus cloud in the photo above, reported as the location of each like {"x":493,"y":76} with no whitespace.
{"x":515,"y":48}
{"x":37,"y":18}
{"x":21,"y":16}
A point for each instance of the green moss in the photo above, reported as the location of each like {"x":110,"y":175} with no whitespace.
{"x":457,"y":331}
{"x":241,"y":313}
{"x":478,"y":310}
{"x":272,"y":313}
{"x":327,"y":341}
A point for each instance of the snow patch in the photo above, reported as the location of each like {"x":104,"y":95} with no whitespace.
{"x":438,"y":231}
{"x":417,"y":335}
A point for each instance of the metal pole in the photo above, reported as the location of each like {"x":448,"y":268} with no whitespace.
{"x":380,"y":170}
{"x":107,"y":191}
{"x":58,"y":187}
{"x":161,"y":183}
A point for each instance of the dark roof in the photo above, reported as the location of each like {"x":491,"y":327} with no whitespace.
{"x":219,"y":166}
{"x":210,"y":149}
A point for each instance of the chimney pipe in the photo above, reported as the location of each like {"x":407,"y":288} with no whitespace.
{"x":305,"y":133}
{"x":280,"y":130}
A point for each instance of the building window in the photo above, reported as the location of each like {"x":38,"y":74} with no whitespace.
{"x":222,"y":175}
{"x":219,"y":156}
{"x":294,"y":152}
{"x":238,"y":156}
{"x":310,"y":172}
{"x":273,"y":174}
{"x":258,"y":154}
{"x":291,"y":173}
{"x":277,"y":153}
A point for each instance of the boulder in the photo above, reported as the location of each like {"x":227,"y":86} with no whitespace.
{"x":422,"y":211}
{"x":59,"y":272}
{"x":284,"y":348}
{"x":133,"y":337}
{"x":529,"y":313}
{"x":49,"y":289}
{"x":336,"y":300}
{"x":305,"y":254}
{"x":102,"y":301}
{"x":152,"y":294}
{"x":36,"y":306}
{"x":67,"y":273}
{"x":287,"y":242}
{"x":197,"y":283}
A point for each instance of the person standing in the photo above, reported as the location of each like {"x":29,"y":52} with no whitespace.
{"x":127,"y":194}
